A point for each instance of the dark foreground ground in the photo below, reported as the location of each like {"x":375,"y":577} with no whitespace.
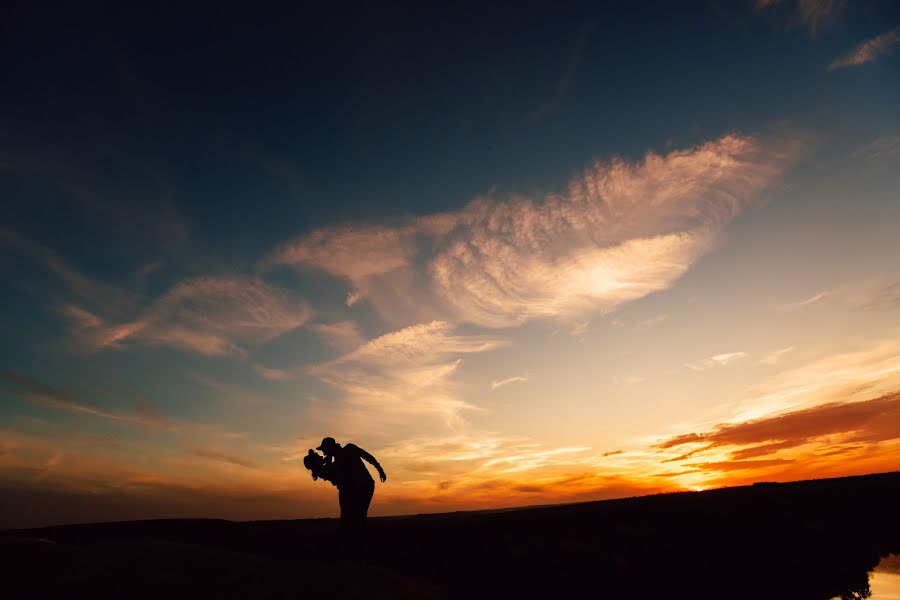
{"x":813,"y":539}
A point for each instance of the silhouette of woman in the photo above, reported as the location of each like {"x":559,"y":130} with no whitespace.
{"x":318,"y":466}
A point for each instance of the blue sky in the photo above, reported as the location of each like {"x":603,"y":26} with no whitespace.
{"x":509,"y":250}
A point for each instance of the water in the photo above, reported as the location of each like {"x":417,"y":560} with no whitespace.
{"x":884,"y":581}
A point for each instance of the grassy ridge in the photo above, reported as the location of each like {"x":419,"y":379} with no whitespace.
{"x":813,"y":539}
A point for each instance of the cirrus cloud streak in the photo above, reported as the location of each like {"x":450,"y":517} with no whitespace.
{"x":214,"y":316}
{"x":402,"y":374}
{"x":868,"y":51}
{"x":620,"y":231}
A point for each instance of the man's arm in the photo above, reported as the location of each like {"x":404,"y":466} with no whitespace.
{"x":371,"y":459}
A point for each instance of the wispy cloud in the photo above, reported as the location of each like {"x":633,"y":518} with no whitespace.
{"x":814,"y":299}
{"x":404,"y":373}
{"x":565,"y":81}
{"x":39,"y":392}
{"x":273,"y":374}
{"x":740,"y":465}
{"x":619,"y":232}
{"x":343,"y":335}
{"x":885,"y":146}
{"x":224,"y":457}
{"x":75,"y":283}
{"x":841,"y":376}
{"x":502,"y":382}
{"x":717,"y":360}
{"x":352,"y":298}
{"x":868,"y":51}
{"x":579,"y":328}
{"x":774,"y":356}
{"x":811,"y":14}
{"x":885,"y":298}
{"x":207,"y":315}
{"x":477,"y":468}
{"x":654,"y":320}
{"x":480,"y":454}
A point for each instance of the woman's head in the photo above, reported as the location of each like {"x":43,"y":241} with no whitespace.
{"x":313,"y":462}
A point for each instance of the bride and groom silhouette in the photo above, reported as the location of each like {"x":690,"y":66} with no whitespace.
{"x":343,"y":467}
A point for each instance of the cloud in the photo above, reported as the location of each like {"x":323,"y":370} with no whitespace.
{"x":481,"y":469}
{"x":886,"y":298}
{"x":814,"y":299}
{"x":862,"y":421}
{"x":112,"y":299}
{"x":354,"y":252}
{"x":146,"y":413}
{"x":502,"y":382}
{"x":209,"y":315}
{"x":343,"y":336}
{"x":774,"y":356}
{"x":353,"y":298}
{"x":565,"y":81}
{"x":620,"y":231}
{"x":812,"y":14}
{"x":579,"y":328}
{"x":404,"y":373}
{"x":654,"y":320}
{"x":214,"y":316}
{"x":761,"y":450}
{"x":273,"y":374}
{"x":739,"y":465}
{"x":868,"y":51}
{"x":223,"y":457}
{"x":887,"y":146}
{"x":150,"y":268}
{"x":837,"y":377}
{"x":481,"y":455}
{"x":718,"y":360}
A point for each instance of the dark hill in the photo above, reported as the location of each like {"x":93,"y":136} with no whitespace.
{"x":811,"y":539}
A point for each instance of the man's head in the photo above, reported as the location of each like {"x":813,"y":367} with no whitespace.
{"x":328,"y":446}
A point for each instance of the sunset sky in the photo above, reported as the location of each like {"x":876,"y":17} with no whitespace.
{"x":522,"y":256}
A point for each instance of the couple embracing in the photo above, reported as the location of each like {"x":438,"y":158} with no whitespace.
{"x":343,"y":467}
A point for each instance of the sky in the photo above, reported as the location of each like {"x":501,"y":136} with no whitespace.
{"x":523,"y":255}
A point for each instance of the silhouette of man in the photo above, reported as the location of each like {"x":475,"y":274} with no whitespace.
{"x":345,"y":469}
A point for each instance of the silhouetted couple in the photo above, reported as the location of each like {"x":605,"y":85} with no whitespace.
{"x":342,"y":466}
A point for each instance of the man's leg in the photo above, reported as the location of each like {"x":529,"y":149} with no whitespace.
{"x":357,"y":506}
{"x":350,"y":522}
{"x":365,"y":499}
{"x":345,"y":498}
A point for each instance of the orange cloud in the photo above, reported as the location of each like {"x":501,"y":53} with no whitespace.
{"x":739,"y":465}
{"x":869,"y":421}
{"x":829,"y":440}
